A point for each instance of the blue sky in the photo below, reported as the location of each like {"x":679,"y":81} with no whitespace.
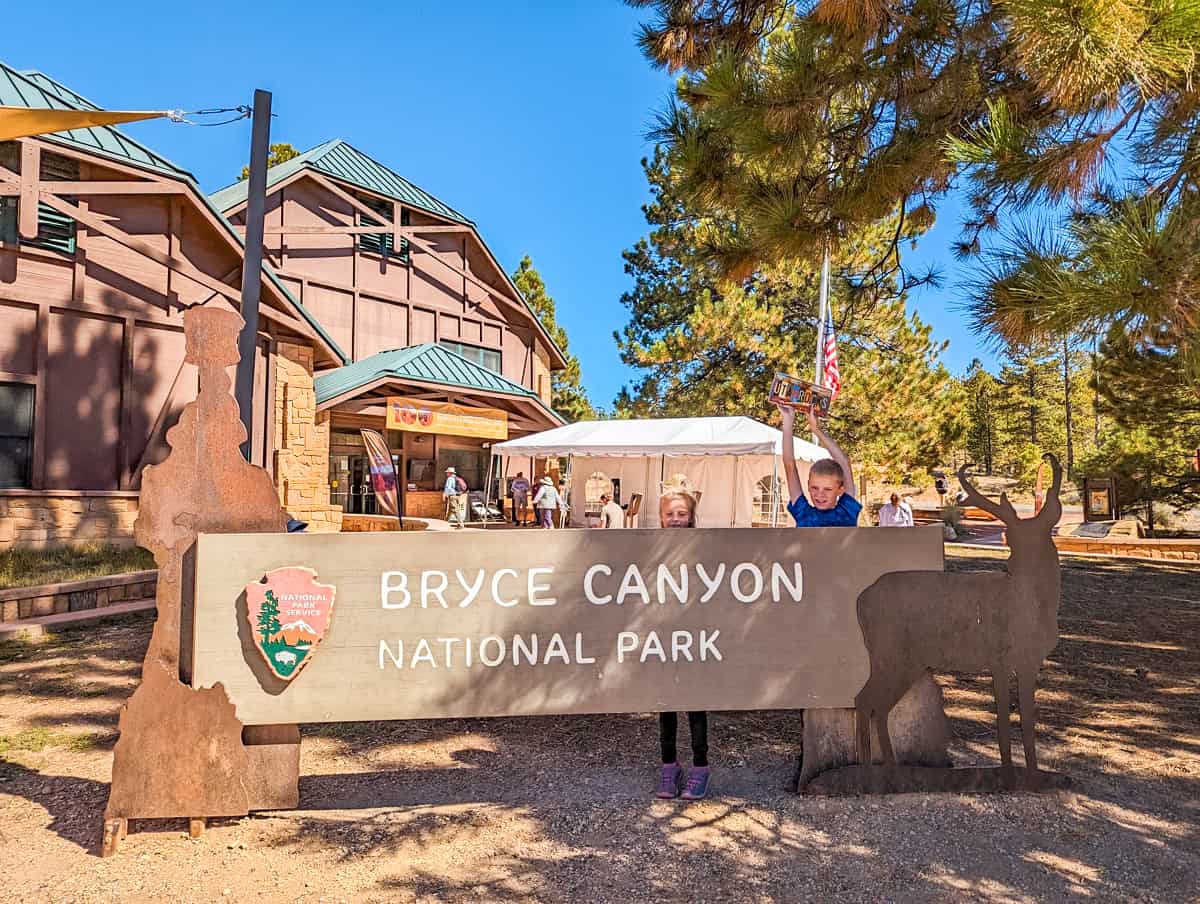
{"x":527,"y":117}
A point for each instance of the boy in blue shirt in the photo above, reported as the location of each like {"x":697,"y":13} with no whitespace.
{"x":830,"y":501}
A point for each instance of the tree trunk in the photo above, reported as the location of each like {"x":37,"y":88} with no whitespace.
{"x":1067,"y":404}
{"x":1032,"y":407}
{"x":987,"y":446}
{"x":1150,"y":502}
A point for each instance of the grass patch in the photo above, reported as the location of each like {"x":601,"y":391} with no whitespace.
{"x":35,"y":740}
{"x":29,"y":567}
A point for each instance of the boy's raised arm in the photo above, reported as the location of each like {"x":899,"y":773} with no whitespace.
{"x":835,"y":451}
{"x":795,"y":490}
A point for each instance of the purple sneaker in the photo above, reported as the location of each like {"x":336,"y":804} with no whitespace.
{"x":670,"y":780}
{"x":697,"y":784}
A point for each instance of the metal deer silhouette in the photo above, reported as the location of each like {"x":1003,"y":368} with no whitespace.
{"x":917,"y":620}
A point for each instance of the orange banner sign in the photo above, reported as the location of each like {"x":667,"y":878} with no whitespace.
{"x":419,"y":416}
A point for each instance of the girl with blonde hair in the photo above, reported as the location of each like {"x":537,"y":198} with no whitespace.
{"x":677,"y":508}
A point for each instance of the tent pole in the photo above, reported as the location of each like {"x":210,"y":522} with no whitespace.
{"x":487,"y":486}
{"x":565,"y":519}
{"x":775,"y":490}
{"x":737,"y":464}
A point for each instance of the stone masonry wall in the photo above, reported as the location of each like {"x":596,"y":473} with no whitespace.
{"x":36,"y":519}
{"x":302,"y":441}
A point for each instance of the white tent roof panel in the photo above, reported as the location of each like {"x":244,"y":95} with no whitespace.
{"x":659,"y":436}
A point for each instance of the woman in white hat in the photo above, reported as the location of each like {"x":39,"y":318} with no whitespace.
{"x":546,"y":500}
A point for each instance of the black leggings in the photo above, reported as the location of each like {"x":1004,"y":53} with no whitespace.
{"x":668,"y":726}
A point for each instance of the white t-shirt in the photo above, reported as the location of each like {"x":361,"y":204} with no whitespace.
{"x":611,"y":515}
{"x":896,"y":515}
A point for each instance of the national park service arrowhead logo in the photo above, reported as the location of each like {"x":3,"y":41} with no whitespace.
{"x":289,"y":614}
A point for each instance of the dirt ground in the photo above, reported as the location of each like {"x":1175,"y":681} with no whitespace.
{"x":559,"y":809}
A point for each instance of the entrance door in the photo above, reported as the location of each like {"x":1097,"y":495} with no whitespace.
{"x":350,"y":484}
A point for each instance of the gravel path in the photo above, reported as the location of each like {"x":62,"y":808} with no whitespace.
{"x":558,"y":809}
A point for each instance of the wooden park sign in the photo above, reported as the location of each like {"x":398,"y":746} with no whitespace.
{"x":259,"y":630}
{"x":434,"y":626}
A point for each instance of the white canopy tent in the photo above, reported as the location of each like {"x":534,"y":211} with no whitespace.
{"x":728,"y":460}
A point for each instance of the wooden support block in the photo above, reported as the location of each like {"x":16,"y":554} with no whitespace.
{"x":196,"y":826}
{"x":114,"y":834}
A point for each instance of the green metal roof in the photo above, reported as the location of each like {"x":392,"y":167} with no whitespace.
{"x":426,"y":363}
{"x":342,"y":161}
{"x":36,"y":90}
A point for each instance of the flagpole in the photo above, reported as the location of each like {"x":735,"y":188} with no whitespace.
{"x":822,"y":318}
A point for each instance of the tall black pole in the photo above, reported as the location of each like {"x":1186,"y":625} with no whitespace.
{"x":256,"y":202}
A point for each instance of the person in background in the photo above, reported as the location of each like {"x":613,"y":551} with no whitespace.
{"x":896,"y":512}
{"x":677,"y":508}
{"x":520,"y":498}
{"x":830,"y":501}
{"x":455,"y":494}
{"x":611,"y":514}
{"x":545,"y":501}
{"x":564,"y":508}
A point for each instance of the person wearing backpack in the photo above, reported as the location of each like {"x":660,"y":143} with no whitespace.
{"x":455,"y":493}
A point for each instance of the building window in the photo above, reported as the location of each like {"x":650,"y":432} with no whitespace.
{"x":470,"y":464}
{"x":56,"y":231}
{"x":16,"y":434}
{"x":597,"y":485}
{"x":485,"y":357}
{"x":381,"y":243}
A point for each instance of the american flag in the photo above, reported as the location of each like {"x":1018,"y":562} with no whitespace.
{"x":832,"y":379}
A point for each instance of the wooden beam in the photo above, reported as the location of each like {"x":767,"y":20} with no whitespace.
{"x":41,"y":365}
{"x":357,"y":230}
{"x":125,"y":435}
{"x":415,"y":241}
{"x":31,"y":167}
{"x":179,"y":265}
{"x":79,"y":276}
{"x":84,"y":189}
{"x":175,"y":245}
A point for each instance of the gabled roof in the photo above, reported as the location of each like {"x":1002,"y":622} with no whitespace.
{"x":36,"y":90}
{"x":343,"y":161}
{"x":425,"y":363}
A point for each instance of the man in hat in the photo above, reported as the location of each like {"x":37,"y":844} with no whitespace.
{"x":455,"y":493}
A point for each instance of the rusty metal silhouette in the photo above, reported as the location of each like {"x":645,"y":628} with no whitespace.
{"x":916,"y":621}
{"x":182,"y":752}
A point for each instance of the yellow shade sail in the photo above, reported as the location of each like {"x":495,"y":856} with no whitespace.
{"x":23,"y":122}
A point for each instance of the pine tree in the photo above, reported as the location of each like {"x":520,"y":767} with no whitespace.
{"x":568,"y":396}
{"x":812,"y":118}
{"x":710,"y":347}
{"x":1156,"y":425}
{"x":276,"y":154}
{"x":981,"y":391}
{"x":268,"y":618}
